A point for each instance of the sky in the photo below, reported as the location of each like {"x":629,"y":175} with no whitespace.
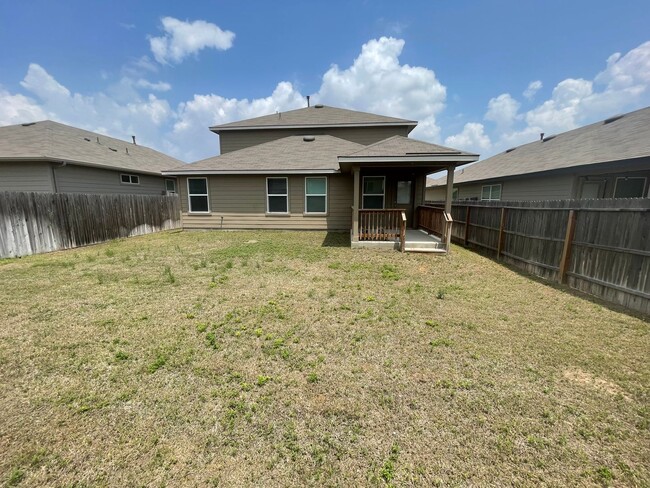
{"x":480,"y":76}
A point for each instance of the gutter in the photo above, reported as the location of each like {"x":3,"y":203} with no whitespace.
{"x":251,"y":172}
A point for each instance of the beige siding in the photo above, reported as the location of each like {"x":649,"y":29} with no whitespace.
{"x":233,"y":141}
{"x":83,"y":179}
{"x":26,"y":176}
{"x":239,"y":202}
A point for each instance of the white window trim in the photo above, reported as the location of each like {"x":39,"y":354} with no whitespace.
{"x":492,"y":199}
{"x":307,"y":212}
{"x":286,"y":195}
{"x":190,"y":195}
{"x":363,"y":194}
{"x":130,"y":182}
{"x":630,"y":178}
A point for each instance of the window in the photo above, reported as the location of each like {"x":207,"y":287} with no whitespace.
{"x":277,"y":195}
{"x":170,"y":186}
{"x":491,"y":192}
{"x":454,"y":193}
{"x":373,"y":192}
{"x":404,"y":192}
{"x":316,"y":195}
{"x":629,"y":187}
{"x":197,"y":193}
{"x":130,"y":179}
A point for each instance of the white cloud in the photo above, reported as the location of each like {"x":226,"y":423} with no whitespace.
{"x":159,"y":86}
{"x":533,"y":88}
{"x":42,"y":84}
{"x":184,"y":38}
{"x":472,"y":139}
{"x":378,"y":83}
{"x":502,"y":110}
{"x":17,"y":109}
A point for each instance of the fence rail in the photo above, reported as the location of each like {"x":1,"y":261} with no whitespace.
{"x":601,"y":247}
{"x":32,"y":223}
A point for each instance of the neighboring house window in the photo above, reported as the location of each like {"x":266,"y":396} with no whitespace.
{"x":316,"y":195}
{"x":130,"y":179}
{"x":197,"y":194}
{"x":629,"y":187}
{"x":491,"y":192}
{"x":170,"y":186}
{"x":454,"y":194}
{"x":373,"y":192}
{"x":277,"y":195}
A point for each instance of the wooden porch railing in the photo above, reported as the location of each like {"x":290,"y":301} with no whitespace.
{"x":383,"y":225}
{"x":436,"y":221}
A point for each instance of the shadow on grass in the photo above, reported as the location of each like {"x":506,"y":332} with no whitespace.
{"x":615,"y":307}
{"x":336,"y":239}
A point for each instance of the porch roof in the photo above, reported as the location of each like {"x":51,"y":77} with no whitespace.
{"x":403,"y":151}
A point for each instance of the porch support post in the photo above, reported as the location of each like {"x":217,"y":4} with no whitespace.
{"x":450,"y":188}
{"x":355,"y":205}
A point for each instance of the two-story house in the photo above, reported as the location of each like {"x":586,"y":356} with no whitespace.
{"x":315,"y":168}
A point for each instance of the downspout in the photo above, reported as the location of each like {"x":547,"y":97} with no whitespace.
{"x":54,"y":167}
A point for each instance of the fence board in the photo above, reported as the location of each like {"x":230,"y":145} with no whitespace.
{"x":32,"y":223}
{"x":608,"y":253}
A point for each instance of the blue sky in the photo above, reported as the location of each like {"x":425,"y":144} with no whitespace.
{"x":480,"y":76}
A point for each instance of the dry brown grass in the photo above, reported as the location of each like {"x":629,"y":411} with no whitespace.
{"x":243,"y":358}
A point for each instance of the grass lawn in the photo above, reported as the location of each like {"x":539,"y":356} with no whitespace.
{"x":289,"y":359}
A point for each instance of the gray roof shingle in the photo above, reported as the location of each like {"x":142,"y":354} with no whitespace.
{"x":614,"y":139}
{"x":51,"y":140}
{"x":291,"y":153}
{"x":314,"y":116}
{"x":404,"y":146}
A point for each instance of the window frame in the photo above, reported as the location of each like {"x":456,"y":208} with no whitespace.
{"x":307,"y":212}
{"x":364,"y":194}
{"x":190,"y":195}
{"x":643,"y":190}
{"x":173,"y":180}
{"x":285,"y":195}
{"x":490,"y":199}
{"x":131,"y":177}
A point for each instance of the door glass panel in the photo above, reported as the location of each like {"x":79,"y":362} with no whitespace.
{"x":591,"y":189}
{"x":404,"y":192}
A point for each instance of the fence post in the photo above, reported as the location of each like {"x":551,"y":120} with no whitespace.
{"x":502,"y":234}
{"x":467,"y":225}
{"x":566,"y":249}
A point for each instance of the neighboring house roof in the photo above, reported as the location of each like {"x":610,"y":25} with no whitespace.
{"x":293,"y":154}
{"x":52,"y":141}
{"x":316,"y":116}
{"x":614,"y":139}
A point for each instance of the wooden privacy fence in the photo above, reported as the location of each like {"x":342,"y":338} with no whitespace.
{"x":32,"y":223}
{"x":601,"y":247}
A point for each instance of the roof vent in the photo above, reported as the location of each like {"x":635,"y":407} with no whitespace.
{"x":548,"y":138}
{"x":28,"y":124}
{"x":319,"y":105}
{"x":309,"y":138}
{"x":612,"y":119}
{"x":114,"y":150}
{"x":511,"y":149}
{"x":87,"y":139}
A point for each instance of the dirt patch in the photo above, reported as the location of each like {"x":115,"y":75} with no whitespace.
{"x":590,"y":381}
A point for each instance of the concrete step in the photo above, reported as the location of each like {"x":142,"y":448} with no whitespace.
{"x":424,"y":245}
{"x":425,"y":249}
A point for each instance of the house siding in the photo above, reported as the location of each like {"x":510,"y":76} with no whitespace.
{"x":534,"y":188}
{"x":26,"y":176}
{"x":239,"y":202}
{"x":83,"y":179}
{"x":235,"y":140}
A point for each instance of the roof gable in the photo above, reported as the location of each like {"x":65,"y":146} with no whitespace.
{"x":49,"y":140}
{"x":404,"y":146}
{"x":315,"y":116}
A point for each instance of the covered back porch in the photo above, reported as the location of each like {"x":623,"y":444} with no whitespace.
{"x":388,"y":208}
